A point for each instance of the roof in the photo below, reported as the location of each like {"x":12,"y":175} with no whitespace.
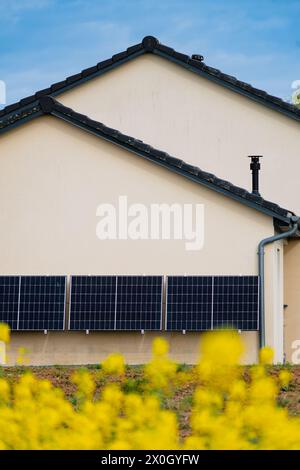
{"x":148,"y":45}
{"x":50,"y":106}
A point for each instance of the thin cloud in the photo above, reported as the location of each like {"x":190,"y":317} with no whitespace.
{"x":14,"y":7}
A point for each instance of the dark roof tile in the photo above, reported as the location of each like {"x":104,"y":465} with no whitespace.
{"x":268,"y":204}
{"x":134,"y":49}
{"x":194,"y":170}
{"x":190,"y":168}
{"x":212,"y":70}
{"x":27,"y":100}
{"x":240,"y":191}
{"x":174,"y":161}
{"x":225,"y":184}
{"x":12,"y":119}
{"x":58,"y":86}
{"x":208,"y":176}
{"x":161,"y":155}
{"x":165,"y":49}
{"x":44,"y":92}
{"x":142,"y":146}
{"x":124,"y":138}
{"x":196,"y":63}
{"x":258,"y":92}
{"x":12,"y":107}
{"x":74,"y":78}
{"x":182,"y":57}
{"x":89,"y":71}
{"x":119,"y":56}
{"x":104,"y":64}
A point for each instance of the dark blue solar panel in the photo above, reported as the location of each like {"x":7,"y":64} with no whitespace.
{"x":9,"y":300}
{"x":42,"y":303}
{"x":235,"y":302}
{"x":92,"y":303}
{"x":139,"y":303}
{"x":189,"y":303}
{"x":208,"y":302}
{"x":116,"y":303}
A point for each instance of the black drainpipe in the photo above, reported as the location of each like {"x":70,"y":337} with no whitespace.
{"x":294,"y":225}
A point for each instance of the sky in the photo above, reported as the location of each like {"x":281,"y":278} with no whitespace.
{"x":44,"y":41}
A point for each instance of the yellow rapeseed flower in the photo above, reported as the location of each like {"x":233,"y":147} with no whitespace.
{"x":22,"y":358}
{"x":266,"y":355}
{"x":85,"y":383}
{"x":114,"y":364}
{"x":160,"y":371}
{"x":160,"y":347}
{"x":284,"y":378}
{"x":230,"y":410}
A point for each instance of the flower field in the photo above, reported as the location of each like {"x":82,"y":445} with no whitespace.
{"x":215,"y":405}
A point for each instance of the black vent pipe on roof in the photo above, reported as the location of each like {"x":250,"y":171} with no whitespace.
{"x":255,"y":167}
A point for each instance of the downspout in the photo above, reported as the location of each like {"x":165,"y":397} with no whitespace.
{"x":294,"y":225}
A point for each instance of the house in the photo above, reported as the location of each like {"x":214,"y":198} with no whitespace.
{"x":157,"y":127}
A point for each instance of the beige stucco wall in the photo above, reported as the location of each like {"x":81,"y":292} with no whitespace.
{"x":191,"y":117}
{"x":53,"y":176}
{"x":274,"y":295}
{"x":292,"y":300}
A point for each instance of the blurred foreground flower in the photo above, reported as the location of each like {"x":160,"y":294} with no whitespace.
{"x":296,"y":98}
{"x":114,"y":364}
{"x":160,"y":371}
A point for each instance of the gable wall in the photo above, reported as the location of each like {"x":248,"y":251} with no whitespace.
{"x":194,"y":119}
{"x":52,"y":179}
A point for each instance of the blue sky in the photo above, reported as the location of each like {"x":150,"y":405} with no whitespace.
{"x":43,"y":41}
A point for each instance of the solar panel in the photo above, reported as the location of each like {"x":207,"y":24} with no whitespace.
{"x":208,"y":302}
{"x":9,"y":300}
{"x":92,"y":303}
{"x":189,"y":303}
{"x":139,"y":303}
{"x":235,"y":302}
{"x":116,"y":303}
{"x":42,"y":303}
